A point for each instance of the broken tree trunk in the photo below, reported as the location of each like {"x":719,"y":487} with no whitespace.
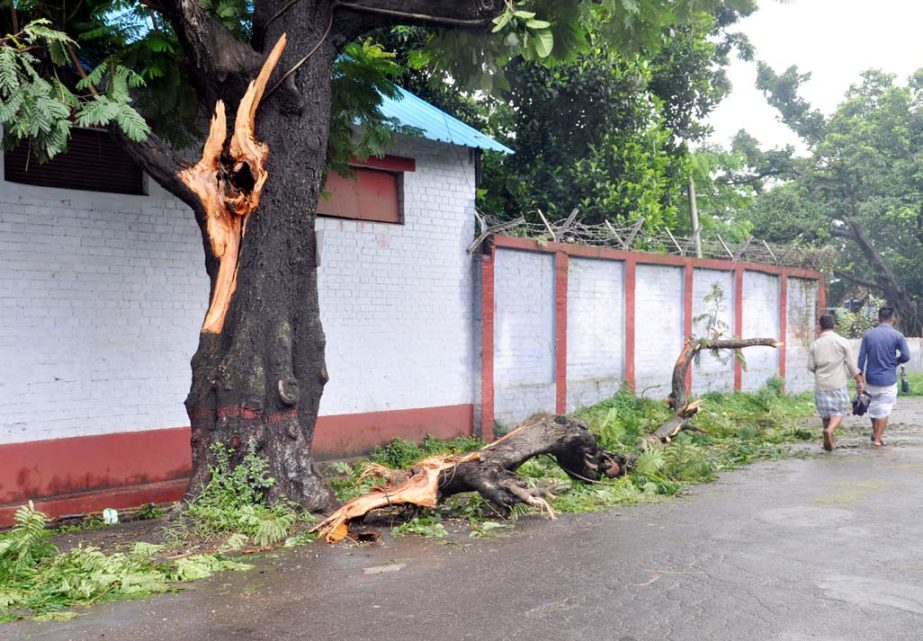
{"x":228,"y":182}
{"x":678,"y":394}
{"x":490,"y":471}
{"x":677,"y":398}
{"x":259,"y":371}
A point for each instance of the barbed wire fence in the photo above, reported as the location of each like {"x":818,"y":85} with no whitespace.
{"x":632,"y":236}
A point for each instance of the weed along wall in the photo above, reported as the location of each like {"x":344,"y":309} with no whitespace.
{"x":564,"y":326}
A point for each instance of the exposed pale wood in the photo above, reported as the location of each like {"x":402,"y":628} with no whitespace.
{"x":229,"y":186}
{"x":244,"y":147}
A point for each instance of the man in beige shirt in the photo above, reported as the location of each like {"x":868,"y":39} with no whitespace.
{"x":833,"y":364}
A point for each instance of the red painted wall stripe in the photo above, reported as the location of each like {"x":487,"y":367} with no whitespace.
{"x":128,"y":469}
{"x":560,"y":331}
{"x":783,"y":323}
{"x":488,"y":314}
{"x":738,"y":320}
{"x":341,"y":435}
{"x":66,"y":466}
{"x":687,"y":317}
{"x":630,"y":282}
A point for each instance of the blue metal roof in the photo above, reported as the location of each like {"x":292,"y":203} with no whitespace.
{"x":435,"y":124}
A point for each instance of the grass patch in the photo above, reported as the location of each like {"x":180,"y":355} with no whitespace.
{"x":234,"y":502}
{"x":38,"y":580}
{"x":916,"y":385}
{"x":741,"y":428}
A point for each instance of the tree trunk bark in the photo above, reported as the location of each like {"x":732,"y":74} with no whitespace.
{"x":258,"y":375}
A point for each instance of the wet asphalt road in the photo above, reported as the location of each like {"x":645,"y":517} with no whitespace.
{"x":824,"y":549}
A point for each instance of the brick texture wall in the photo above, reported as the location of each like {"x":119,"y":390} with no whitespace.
{"x":801,"y":315}
{"x":761,"y":319}
{"x":102,"y":297}
{"x":397,"y":300}
{"x":658,"y":327}
{"x":524,"y":371}
{"x":595,"y":330}
{"x":713,"y":372}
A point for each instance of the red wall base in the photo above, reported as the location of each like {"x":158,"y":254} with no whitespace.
{"x":128,"y":469}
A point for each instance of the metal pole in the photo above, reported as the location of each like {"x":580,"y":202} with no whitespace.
{"x":694,"y":213}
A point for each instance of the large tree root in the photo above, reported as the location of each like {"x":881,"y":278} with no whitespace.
{"x":490,"y":471}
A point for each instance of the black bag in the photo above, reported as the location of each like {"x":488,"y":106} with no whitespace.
{"x":905,"y":384}
{"x":860,"y":404}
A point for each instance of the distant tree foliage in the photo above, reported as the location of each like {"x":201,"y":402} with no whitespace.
{"x":859,"y":190}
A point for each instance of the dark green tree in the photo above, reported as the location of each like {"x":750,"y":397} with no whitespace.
{"x":859,"y":190}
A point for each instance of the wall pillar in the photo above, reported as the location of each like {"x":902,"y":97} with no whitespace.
{"x":738,"y":321}
{"x":488,"y":314}
{"x":630,"y":281}
{"x":687,"y":316}
{"x":783,"y":323}
{"x":560,"y":331}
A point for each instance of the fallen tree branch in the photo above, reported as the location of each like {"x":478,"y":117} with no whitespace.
{"x":692,"y":346}
{"x":490,"y":471}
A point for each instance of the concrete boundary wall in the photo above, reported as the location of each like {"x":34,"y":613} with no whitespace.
{"x":590,"y":319}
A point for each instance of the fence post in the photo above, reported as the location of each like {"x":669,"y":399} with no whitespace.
{"x":687,"y":316}
{"x":783,"y":323}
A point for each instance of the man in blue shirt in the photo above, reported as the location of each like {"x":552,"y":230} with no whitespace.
{"x":882,"y":349}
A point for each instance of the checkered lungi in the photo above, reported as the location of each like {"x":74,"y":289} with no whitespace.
{"x":833,"y":402}
{"x":883,"y":399}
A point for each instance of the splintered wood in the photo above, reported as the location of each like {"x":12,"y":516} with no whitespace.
{"x":228,"y":183}
{"x":421,"y":488}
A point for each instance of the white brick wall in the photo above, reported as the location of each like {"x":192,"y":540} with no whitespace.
{"x":800,"y":333}
{"x":102,"y":296}
{"x":595,"y":330}
{"x":396,"y":300}
{"x":658,"y":327}
{"x":760,"y":320}
{"x":524,"y":377}
{"x":713,"y":373}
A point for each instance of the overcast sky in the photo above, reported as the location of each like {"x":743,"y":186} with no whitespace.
{"x":835,"y":40}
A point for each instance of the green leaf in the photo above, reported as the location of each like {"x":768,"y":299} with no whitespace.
{"x":543,"y":43}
